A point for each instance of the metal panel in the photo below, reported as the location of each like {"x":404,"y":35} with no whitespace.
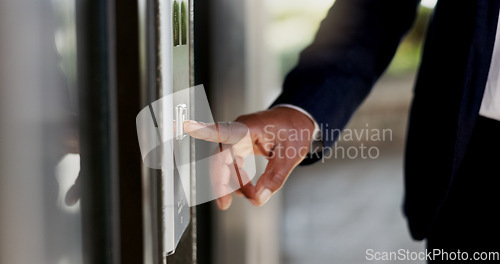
{"x":166,"y":68}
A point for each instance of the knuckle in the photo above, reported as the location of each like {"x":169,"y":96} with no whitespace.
{"x":277,"y":179}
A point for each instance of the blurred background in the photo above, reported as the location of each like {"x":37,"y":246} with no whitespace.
{"x":330,"y":212}
{"x":333,"y":212}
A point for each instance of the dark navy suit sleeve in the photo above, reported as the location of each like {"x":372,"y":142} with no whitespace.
{"x":353,"y":47}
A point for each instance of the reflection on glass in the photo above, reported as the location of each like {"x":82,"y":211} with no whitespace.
{"x":184,"y":27}
{"x":175,"y":23}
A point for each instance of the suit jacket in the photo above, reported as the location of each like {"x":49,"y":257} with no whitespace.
{"x":353,"y":47}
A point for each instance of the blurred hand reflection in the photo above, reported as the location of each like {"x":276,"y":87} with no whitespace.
{"x":71,"y":142}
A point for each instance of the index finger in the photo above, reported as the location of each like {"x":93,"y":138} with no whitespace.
{"x":224,"y":132}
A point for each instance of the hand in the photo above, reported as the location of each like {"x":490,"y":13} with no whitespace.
{"x":282,"y":135}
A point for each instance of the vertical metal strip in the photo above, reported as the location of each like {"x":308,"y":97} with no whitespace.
{"x":150,"y":83}
{"x":194,"y":223}
{"x":201,"y":32}
{"x":98,"y":131}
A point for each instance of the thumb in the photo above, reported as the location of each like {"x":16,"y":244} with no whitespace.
{"x":277,"y":171}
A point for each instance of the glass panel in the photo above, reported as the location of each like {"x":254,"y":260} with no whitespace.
{"x":40,"y":219}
